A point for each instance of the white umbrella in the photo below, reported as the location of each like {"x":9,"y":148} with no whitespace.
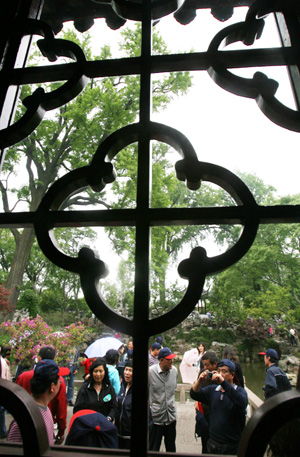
{"x":187,"y":369}
{"x":99,"y":347}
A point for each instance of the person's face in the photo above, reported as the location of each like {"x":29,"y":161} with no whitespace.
{"x":267,"y":360}
{"x":201,"y":348}
{"x":226,"y":373}
{"x":55,"y":388}
{"x":207,"y":365}
{"x":166,"y":364}
{"x":98,"y":374}
{"x":130,"y":345}
{"x":128,"y":372}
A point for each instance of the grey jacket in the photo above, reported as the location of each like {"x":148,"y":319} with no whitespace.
{"x":162,"y":394}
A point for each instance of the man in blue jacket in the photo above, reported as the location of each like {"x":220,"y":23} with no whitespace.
{"x":227,"y":408}
{"x":276,"y":379}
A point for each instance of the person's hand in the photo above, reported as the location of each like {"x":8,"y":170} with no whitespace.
{"x":217,"y":377}
{"x":75,"y":371}
{"x":204,"y":375}
{"x":59,"y":439}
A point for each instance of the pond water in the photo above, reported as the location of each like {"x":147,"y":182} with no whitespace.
{"x":255,"y":375}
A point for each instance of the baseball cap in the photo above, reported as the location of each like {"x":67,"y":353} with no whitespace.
{"x":156,"y":346}
{"x":165,"y":353}
{"x":227,"y":363}
{"x":90,"y":428}
{"x":270,"y":353}
{"x":159,"y":339}
{"x":47,"y":368}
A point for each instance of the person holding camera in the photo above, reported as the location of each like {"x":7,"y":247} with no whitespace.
{"x":209,"y":364}
{"x":227,"y":408}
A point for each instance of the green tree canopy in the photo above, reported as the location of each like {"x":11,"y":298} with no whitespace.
{"x":69,"y":137}
{"x":266,"y":281}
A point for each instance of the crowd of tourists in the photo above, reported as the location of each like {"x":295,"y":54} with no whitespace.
{"x":103,"y":404}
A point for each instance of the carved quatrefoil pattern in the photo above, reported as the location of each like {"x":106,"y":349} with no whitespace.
{"x":98,"y":174}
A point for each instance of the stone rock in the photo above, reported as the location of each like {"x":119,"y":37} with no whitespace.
{"x":91,"y":322}
{"x":290,"y":364}
{"x":20,"y":315}
{"x":292,"y":378}
{"x":218,"y":348}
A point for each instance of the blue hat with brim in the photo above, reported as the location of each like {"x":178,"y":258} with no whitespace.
{"x":270,"y":353}
{"x":156,"y":346}
{"x":227,"y":363}
{"x":166,"y":353}
{"x":48,"y":369}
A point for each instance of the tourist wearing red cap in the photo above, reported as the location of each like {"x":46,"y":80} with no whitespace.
{"x":163,"y":384}
{"x":276,"y":379}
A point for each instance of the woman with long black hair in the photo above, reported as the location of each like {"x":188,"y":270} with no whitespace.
{"x":97,"y":393}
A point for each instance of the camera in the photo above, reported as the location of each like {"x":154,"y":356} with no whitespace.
{"x":210,"y":374}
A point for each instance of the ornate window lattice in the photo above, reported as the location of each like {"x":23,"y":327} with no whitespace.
{"x":44,"y":19}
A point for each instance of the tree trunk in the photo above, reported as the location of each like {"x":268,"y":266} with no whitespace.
{"x":162,"y":290}
{"x":19,"y":262}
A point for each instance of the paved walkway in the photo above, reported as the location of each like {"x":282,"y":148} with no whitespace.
{"x":186,"y":441}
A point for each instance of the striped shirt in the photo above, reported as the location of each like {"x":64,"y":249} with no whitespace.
{"x":14,"y":433}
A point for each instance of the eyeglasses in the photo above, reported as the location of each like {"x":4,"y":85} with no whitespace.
{"x":222,"y":370}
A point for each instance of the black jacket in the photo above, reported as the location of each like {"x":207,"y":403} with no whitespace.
{"x":123,"y":418}
{"x":104,"y":403}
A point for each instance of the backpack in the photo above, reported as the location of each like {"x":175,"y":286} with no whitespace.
{"x":282,"y":381}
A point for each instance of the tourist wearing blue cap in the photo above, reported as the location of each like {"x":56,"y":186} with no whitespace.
{"x":153,"y":355}
{"x":276,"y":379}
{"x":44,"y":387}
{"x":227,"y":408}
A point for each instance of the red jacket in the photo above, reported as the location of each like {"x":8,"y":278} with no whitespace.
{"x":87,"y":363}
{"x":57,"y":406}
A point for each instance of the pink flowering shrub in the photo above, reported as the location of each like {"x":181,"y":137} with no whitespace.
{"x":29,"y":335}
{"x":67,"y":341}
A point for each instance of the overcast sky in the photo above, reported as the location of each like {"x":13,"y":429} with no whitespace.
{"x":230,"y":130}
{"x":226,"y":129}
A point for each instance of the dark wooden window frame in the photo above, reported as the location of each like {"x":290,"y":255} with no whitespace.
{"x":20,"y":19}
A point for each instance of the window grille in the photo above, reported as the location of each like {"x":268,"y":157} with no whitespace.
{"x":25,"y":18}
